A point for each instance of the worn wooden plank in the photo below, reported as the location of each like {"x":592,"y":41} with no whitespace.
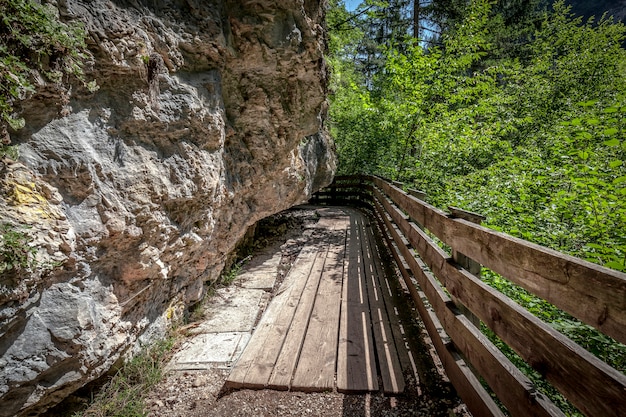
{"x":263,"y":342}
{"x":343,"y":195}
{"x":387,"y":290}
{"x":355,"y":178}
{"x":514,"y":389}
{"x":350,"y":185}
{"x":591,"y":293}
{"x":469,"y":388}
{"x":390,"y":369}
{"x":403,"y":266}
{"x":292,"y":346}
{"x":317,"y":364}
{"x":276,"y":323}
{"x":471,"y":391}
{"x":590,"y":384}
{"x":261,"y":368}
{"x":356,"y":363}
{"x":421,"y":195}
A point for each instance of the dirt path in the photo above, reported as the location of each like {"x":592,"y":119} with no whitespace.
{"x":202,"y":392}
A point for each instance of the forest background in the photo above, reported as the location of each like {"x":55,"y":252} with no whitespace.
{"x":512,"y":109}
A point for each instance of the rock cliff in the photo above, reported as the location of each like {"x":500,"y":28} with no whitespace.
{"x":209,"y":116}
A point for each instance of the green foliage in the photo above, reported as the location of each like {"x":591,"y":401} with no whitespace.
{"x":521,"y":119}
{"x":534,"y":140}
{"x":231,"y":273}
{"x":33,"y":40}
{"x":126,"y":391}
{"x":15,"y":252}
{"x":8,"y":151}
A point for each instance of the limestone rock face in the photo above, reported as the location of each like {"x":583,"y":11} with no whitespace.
{"x":209,"y":117}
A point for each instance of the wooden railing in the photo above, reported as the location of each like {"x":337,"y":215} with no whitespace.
{"x":452,"y":300}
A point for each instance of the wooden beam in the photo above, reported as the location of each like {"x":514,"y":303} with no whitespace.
{"x":465,"y":382}
{"x":356,"y":362}
{"x":590,"y":384}
{"x":318,"y":359}
{"x":287,"y":360}
{"x":255,"y":365}
{"x":594,"y":294}
{"x":389,"y":363}
{"x":514,"y":389}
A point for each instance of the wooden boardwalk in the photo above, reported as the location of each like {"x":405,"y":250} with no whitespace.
{"x":332,"y":324}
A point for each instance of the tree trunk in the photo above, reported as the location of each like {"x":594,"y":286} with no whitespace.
{"x":416,"y":19}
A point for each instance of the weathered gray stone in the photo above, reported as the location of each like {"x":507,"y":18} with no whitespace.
{"x":233,"y":310}
{"x":210,"y":350}
{"x":261,"y":274}
{"x":138,"y":194}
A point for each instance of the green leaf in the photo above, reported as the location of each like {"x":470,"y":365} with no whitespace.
{"x":583,"y":155}
{"x":16,"y":124}
{"x":615,"y":265}
{"x":619,"y":180}
{"x":610,"y":131}
{"x":612,"y":142}
{"x":587,"y":103}
{"x":611,"y":110}
{"x":615,"y":164}
{"x":594,"y":246}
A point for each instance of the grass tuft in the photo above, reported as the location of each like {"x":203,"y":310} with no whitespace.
{"x":125,"y":393}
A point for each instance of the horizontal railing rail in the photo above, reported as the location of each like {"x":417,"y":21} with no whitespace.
{"x":451,"y":299}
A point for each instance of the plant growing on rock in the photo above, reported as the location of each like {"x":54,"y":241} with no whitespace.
{"x":124,"y":394}
{"x":15,"y":253}
{"x":35,"y":48}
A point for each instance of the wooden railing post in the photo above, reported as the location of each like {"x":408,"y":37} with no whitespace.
{"x":468,"y":264}
{"x":417,"y":194}
{"x":592,"y":293}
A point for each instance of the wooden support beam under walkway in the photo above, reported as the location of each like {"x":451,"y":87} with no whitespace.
{"x":333,"y":323}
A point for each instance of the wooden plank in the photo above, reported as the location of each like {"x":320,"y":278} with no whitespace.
{"x":477,"y":400}
{"x":591,"y":293}
{"x":389,"y":296}
{"x":353,"y":185}
{"x":420,"y":195}
{"x":356,"y":363}
{"x":260,"y":354}
{"x":344,"y":195}
{"x":355,"y":178}
{"x":292,"y":346}
{"x":590,"y":384}
{"x":390,"y":369}
{"x":469,"y":388}
{"x":458,"y":213}
{"x":316,"y":368}
{"x":514,"y":389}
{"x":467,"y":263}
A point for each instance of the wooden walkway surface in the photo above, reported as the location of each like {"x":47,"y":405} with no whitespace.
{"x":332,"y":323}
